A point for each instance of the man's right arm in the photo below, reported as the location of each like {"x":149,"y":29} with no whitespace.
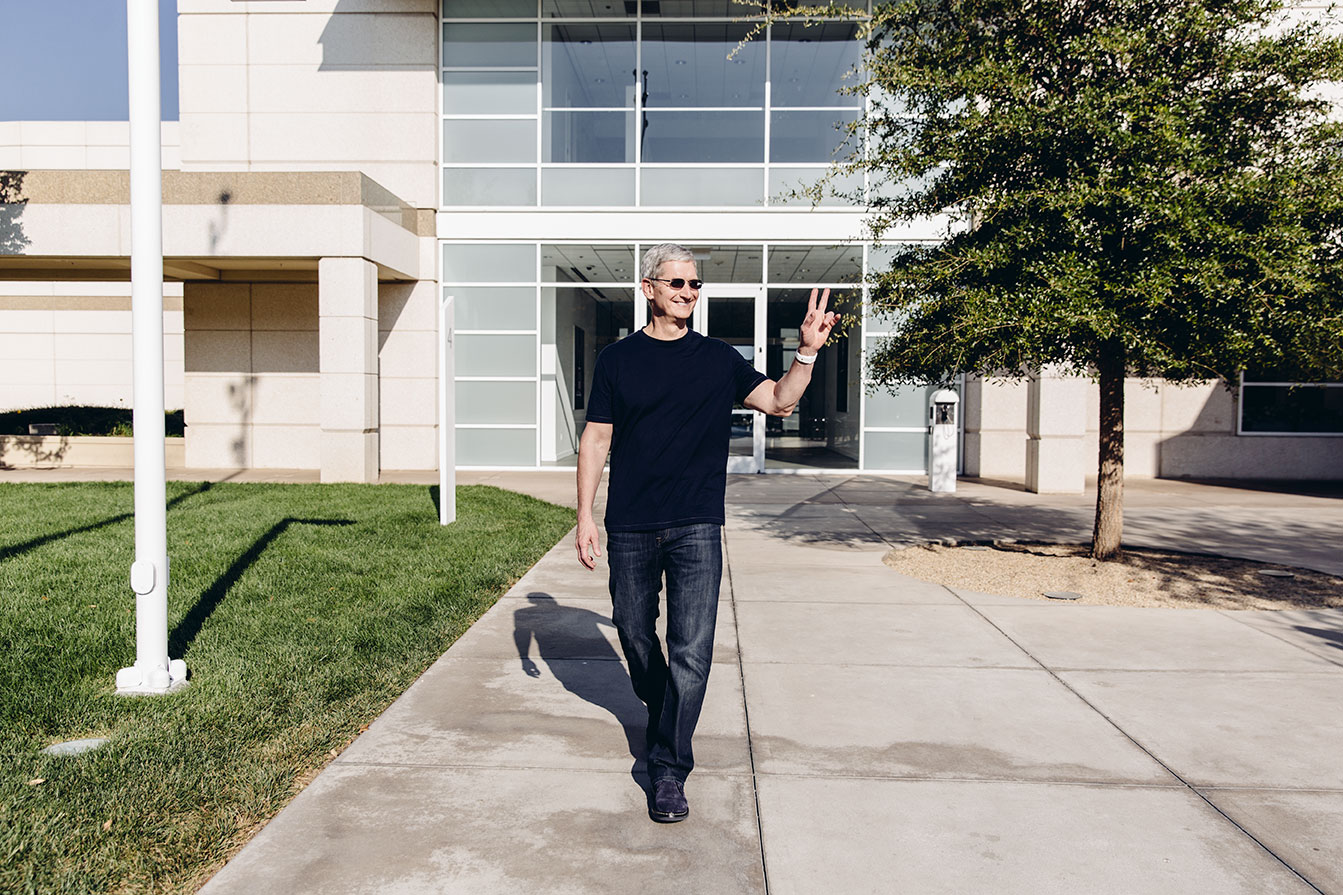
{"x":592,"y":450}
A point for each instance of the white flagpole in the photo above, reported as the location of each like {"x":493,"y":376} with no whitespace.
{"x":447,"y":416}
{"x":152,"y":671}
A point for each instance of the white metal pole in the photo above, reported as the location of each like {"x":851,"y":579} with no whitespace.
{"x":447,"y":416}
{"x":152,"y":671}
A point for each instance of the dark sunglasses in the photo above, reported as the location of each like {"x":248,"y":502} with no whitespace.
{"x":677,"y":282}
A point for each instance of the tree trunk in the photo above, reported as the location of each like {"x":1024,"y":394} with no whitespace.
{"x":1105,"y":537}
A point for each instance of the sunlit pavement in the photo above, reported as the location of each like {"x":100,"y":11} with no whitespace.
{"x":864,"y":732}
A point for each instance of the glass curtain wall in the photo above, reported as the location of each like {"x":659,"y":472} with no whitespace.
{"x":895,"y":420}
{"x":657,"y":104}
{"x":531,"y":319}
{"x":823,"y":431}
{"x":496,"y":352}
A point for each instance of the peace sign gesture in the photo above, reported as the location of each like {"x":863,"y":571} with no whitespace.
{"x":818,"y":323}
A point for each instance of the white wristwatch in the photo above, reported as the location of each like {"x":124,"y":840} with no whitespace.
{"x":807,"y":359}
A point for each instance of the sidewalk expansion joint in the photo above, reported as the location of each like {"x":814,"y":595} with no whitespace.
{"x":1276,"y":636}
{"x":746,"y":714}
{"x":1124,"y":733}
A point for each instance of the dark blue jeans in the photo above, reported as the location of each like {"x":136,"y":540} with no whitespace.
{"x":691,"y":557}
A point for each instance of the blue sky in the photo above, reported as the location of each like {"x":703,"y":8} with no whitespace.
{"x":70,"y":60}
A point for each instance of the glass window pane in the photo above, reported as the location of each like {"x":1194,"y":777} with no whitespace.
{"x":485,"y":263}
{"x":489,"y":9}
{"x":484,"y":355}
{"x":496,"y":402}
{"x":589,"y":137}
{"x":783,"y":182}
{"x":587,"y":186}
{"x":703,"y":186}
{"x":1306,"y":408}
{"x":587,"y":263}
{"x":811,"y":136}
{"x":489,"y":44}
{"x":906,"y":406}
{"x":588,"y":66}
{"x":687,"y":65}
{"x":704,"y":137}
{"x":489,"y":92}
{"x":896,"y":451}
{"x":815,"y":264}
{"x":587,"y":9}
{"x":808,"y":64}
{"x":489,"y":140}
{"x":728,"y":264}
{"x":489,"y":186}
{"x":580,"y":322}
{"x":493,"y":307}
{"x":496,"y":447}
{"x":718,"y":9}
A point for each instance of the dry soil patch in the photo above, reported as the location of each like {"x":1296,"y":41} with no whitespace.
{"x":1137,"y":578}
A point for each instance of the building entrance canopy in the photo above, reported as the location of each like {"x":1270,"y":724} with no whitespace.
{"x":216,"y":225}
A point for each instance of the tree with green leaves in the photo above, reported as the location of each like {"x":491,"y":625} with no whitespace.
{"x":1146,"y":188}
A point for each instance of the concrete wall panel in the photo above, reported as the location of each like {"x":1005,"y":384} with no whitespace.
{"x":408,"y":353}
{"x":409,"y":447}
{"x":217,"y":306}
{"x":21,"y":395}
{"x":95,"y":346}
{"x":287,"y":401}
{"x":1253,"y":457}
{"x":16,"y":347}
{"x":279,"y":351}
{"x":1198,"y":408}
{"x":218,"y":351}
{"x":284,"y":306}
{"x":219,"y":39}
{"x":350,"y":138}
{"x":410,"y":306}
{"x":218,"y":446}
{"x":303,"y":89}
{"x":361,"y":41}
{"x":408,"y":402}
{"x":286,"y":447}
{"x":215,"y":89}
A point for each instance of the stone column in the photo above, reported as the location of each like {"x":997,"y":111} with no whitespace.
{"x":1055,"y":427}
{"x":347,"y":311}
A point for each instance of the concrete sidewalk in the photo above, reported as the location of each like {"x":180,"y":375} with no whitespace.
{"x":864,"y":732}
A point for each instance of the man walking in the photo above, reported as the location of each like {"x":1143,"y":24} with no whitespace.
{"x":661,"y":405}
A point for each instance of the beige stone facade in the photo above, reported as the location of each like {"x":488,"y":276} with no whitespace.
{"x":303,"y":237}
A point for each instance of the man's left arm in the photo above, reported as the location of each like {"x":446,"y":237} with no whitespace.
{"x":779,"y":398}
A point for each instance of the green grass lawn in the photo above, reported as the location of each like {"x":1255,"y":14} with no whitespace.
{"x":302,"y":611}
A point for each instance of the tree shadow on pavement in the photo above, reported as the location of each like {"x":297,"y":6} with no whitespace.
{"x":869,"y":511}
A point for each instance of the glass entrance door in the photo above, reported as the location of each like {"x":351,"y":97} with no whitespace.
{"x":736,"y":314}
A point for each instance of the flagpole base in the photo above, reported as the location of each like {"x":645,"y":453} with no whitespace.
{"x":137,"y":681}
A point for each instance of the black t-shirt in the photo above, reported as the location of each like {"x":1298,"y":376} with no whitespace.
{"x":670,"y":403}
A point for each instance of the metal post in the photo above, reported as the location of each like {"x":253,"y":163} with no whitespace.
{"x":152,"y":671}
{"x":447,"y":417}
{"x":943,"y":431}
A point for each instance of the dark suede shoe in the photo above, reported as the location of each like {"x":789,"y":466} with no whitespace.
{"x":669,"y":804}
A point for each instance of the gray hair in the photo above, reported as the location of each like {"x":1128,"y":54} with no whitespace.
{"x":660,"y":254}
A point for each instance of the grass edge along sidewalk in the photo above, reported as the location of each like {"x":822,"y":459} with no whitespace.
{"x":302,"y":611}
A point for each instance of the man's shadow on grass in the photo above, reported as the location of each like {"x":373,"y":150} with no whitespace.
{"x":571,"y":643}
{"x":184,"y":632}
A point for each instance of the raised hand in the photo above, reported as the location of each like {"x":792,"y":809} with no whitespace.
{"x":818,"y":323}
